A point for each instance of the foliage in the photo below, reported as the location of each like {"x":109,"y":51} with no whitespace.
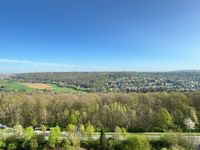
{"x":2,"y":144}
{"x":113,"y":144}
{"x":33,"y":144}
{"x":90,"y":144}
{"x":103,"y":142}
{"x":136,"y":143}
{"x":18,"y":130}
{"x":28,"y":134}
{"x":74,"y":140}
{"x":190,"y":125}
{"x":29,"y":142}
{"x":55,"y":137}
{"x":12,"y":146}
{"x":43,"y":128}
{"x":163,"y":119}
{"x":89,"y":130}
{"x":82,"y":129}
{"x":136,"y":112}
{"x":71,"y":128}
{"x":73,"y":118}
{"x":118,"y":133}
{"x":171,"y":142}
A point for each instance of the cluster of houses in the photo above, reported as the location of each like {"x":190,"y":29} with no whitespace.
{"x":149,"y":84}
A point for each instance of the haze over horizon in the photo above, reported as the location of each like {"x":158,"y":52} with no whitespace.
{"x":92,"y":35}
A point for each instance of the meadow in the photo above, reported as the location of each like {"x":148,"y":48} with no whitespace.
{"x":15,"y":86}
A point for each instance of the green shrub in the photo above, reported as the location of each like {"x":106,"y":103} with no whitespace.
{"x":28,"y":135}
{"x":113,"y":144}
{"x":12,"y":146}
{"x":33,"y":144}
{"x":118,"y":133}
{"x":2,"y":144}
{"x":89,"y":130}
{"x":67,"y":145}
{"x":90,"y":144}
{"x":171,"y":142}
{"x":42,"y":142}
{"x":136,"y":143}
{"x":82,"y":129}
{"x":71,"y":128}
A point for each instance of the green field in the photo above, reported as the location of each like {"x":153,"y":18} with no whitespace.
{"x":8,"y":86}
{"x":13,"y":86}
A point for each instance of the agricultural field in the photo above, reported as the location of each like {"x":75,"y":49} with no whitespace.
{"x":39,"y":86}
{"x":14,"y":86}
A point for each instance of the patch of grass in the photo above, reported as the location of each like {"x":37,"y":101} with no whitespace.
{"x":9,"y":86}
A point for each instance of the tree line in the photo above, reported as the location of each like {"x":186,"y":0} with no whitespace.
{"x":20,"y":138}
{"x":136,"y":112}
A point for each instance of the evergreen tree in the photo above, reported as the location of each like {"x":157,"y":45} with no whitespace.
{"x":103,"y":143}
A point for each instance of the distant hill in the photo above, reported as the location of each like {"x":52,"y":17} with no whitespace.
{"x":119,"y":81}
{"x":182,"y":71}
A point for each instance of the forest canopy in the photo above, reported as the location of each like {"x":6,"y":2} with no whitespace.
{"x":136,"y":112}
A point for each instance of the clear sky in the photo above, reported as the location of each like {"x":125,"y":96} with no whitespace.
{"x":99,"y":35}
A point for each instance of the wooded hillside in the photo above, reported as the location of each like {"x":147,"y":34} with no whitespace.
{"x":135,"y":112}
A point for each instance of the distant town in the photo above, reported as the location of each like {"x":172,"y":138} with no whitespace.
{"x":117,"y":81}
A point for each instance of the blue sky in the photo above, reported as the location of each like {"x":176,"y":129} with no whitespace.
{"x":99,"y":35}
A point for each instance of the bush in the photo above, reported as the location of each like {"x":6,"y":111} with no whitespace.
{"x":2,"y":144}
{"x":91,"y":144}
{"x":33,"y":144}
{"x":42,"y":142}
{"x":90,"y":130}
{"x":71,"y":128}
{"x":12,"y":146}
{"x":74,"y":140}
{"x":113,"y":144}
{"x":82,"y":129}
{"x":67,"y":145}
{"x":136,"y":143}
{"x":29,"y":139}
{"x":172,"y":142}
{"x":118,"y":133}
{"x":13,"y":141}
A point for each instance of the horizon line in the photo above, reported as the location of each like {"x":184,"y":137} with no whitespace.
{"x":114,"y":71}
{"x":42,"y":67}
